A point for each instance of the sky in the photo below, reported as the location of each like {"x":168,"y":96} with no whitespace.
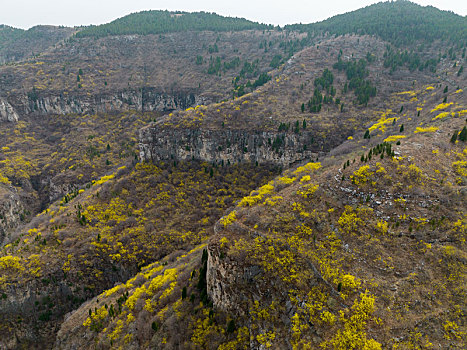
{"x":27,"y":13}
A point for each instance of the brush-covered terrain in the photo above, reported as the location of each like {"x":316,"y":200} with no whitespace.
{"x":191,"y":181}
{"x":363,"y":250}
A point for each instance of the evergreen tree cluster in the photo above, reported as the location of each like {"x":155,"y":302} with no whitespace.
{"x":159,"y":22}
{"x":249,"y":70}
{"x":322,"y":84}
{"x":8,"y":34}
{"x":215,"y":65}
{"x":290,"y":47}
{"x":296,"y":127}
{"x":325,"y":81}
{"x":314,"y":104}
{"x":276,"y":61}
{"x":16,"y":44}
{"x":461,"y":136}
{"x":356,"y":73}
{"x":381,"y":150}
{"x":399,"y":22}
{"x":397,"y":58}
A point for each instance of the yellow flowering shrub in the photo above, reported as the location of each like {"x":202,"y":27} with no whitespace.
{"x":428,"y":129}
{"x":4,"y":180}
{"x":11,"y":262}
{"x":441,"y":106}
{"x":382,"y":226}
{"x":394,"y":138}
{"x":353,"y":335}
{"x":157,"y":282}
{"x":307,"y":190}
{"x":266,"y":339}
{"x":309,"y":167}
{"x":104,"y":179}
{"x":442,"y":115}
{"x":96,"y":319}
{"x":460,"y":167}
{"x":381,"y":124}
{"x":349,"y":282}
{"x":351,"y":219}
{"x":286,"y":180}
{"x":361,"y":175}
{"x":256,"y":196}
{"x":272,"y":201}
{"x":229,"y":219}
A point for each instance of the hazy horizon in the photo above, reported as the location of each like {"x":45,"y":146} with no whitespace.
{"x":28,"y":13}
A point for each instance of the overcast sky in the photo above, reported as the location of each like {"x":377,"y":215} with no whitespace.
{"x":27,"y":13}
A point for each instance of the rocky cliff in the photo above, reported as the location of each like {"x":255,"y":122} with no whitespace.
{"x":10,"y":211}
{"x":7,"y":112}
{"x":229,"y":146}
{"x":143,"y":100}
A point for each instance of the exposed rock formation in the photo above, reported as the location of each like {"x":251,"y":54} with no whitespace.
{"x":227,"y":145}
{"x":10,"y":211}
{"x":227,"y":279}
{"x":7,"y":112}
{"x":143,"y":100}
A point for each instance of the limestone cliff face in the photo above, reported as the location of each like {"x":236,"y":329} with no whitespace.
{"x":143,"y":100}
{"x":227,"y":145}
{"x":223,"y":277}
{"x":230,"y":284}
{"x":7,"y":112}
{"x":10,"y":211}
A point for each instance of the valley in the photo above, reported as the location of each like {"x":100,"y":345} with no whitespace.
{"x":215,"y":183}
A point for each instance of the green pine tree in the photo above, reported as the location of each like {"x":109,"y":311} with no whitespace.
{"x":463,"y":135}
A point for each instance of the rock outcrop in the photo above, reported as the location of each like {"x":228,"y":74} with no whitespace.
{"x":7,"y":112}
{"x":223,"y":277}
{"x":143,"y":100}
{"x":227,"y":145}
{"x":10,"y":211}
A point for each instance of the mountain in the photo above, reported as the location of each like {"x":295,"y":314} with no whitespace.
{"x":399,"y":22}
{"x":234,"y":186}
{"x":17,"y":44}
{"x":158,"y":22}
{"x":364,"y":249}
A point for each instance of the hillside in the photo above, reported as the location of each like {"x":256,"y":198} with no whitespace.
{"x":289,"y":118}
{"x":76,"y":111}
{"x":142,"y":72}
{"x":399,"y":22}
{"x":179,"y":180}
{"x":365,"y":249}
{"x":158,"y":22}
{"x":18,"y":44}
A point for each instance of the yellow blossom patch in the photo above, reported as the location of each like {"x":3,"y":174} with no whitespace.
{"x":429,"y":129}
{"x":394,"y":138}
{"x":442,"y":115}
{"x":441,"y":106}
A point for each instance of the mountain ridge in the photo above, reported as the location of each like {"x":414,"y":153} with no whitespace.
{"x":225,"y":190}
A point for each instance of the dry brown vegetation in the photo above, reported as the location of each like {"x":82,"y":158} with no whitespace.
{"x":366,"y":255}
{"x":363,"y":250}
